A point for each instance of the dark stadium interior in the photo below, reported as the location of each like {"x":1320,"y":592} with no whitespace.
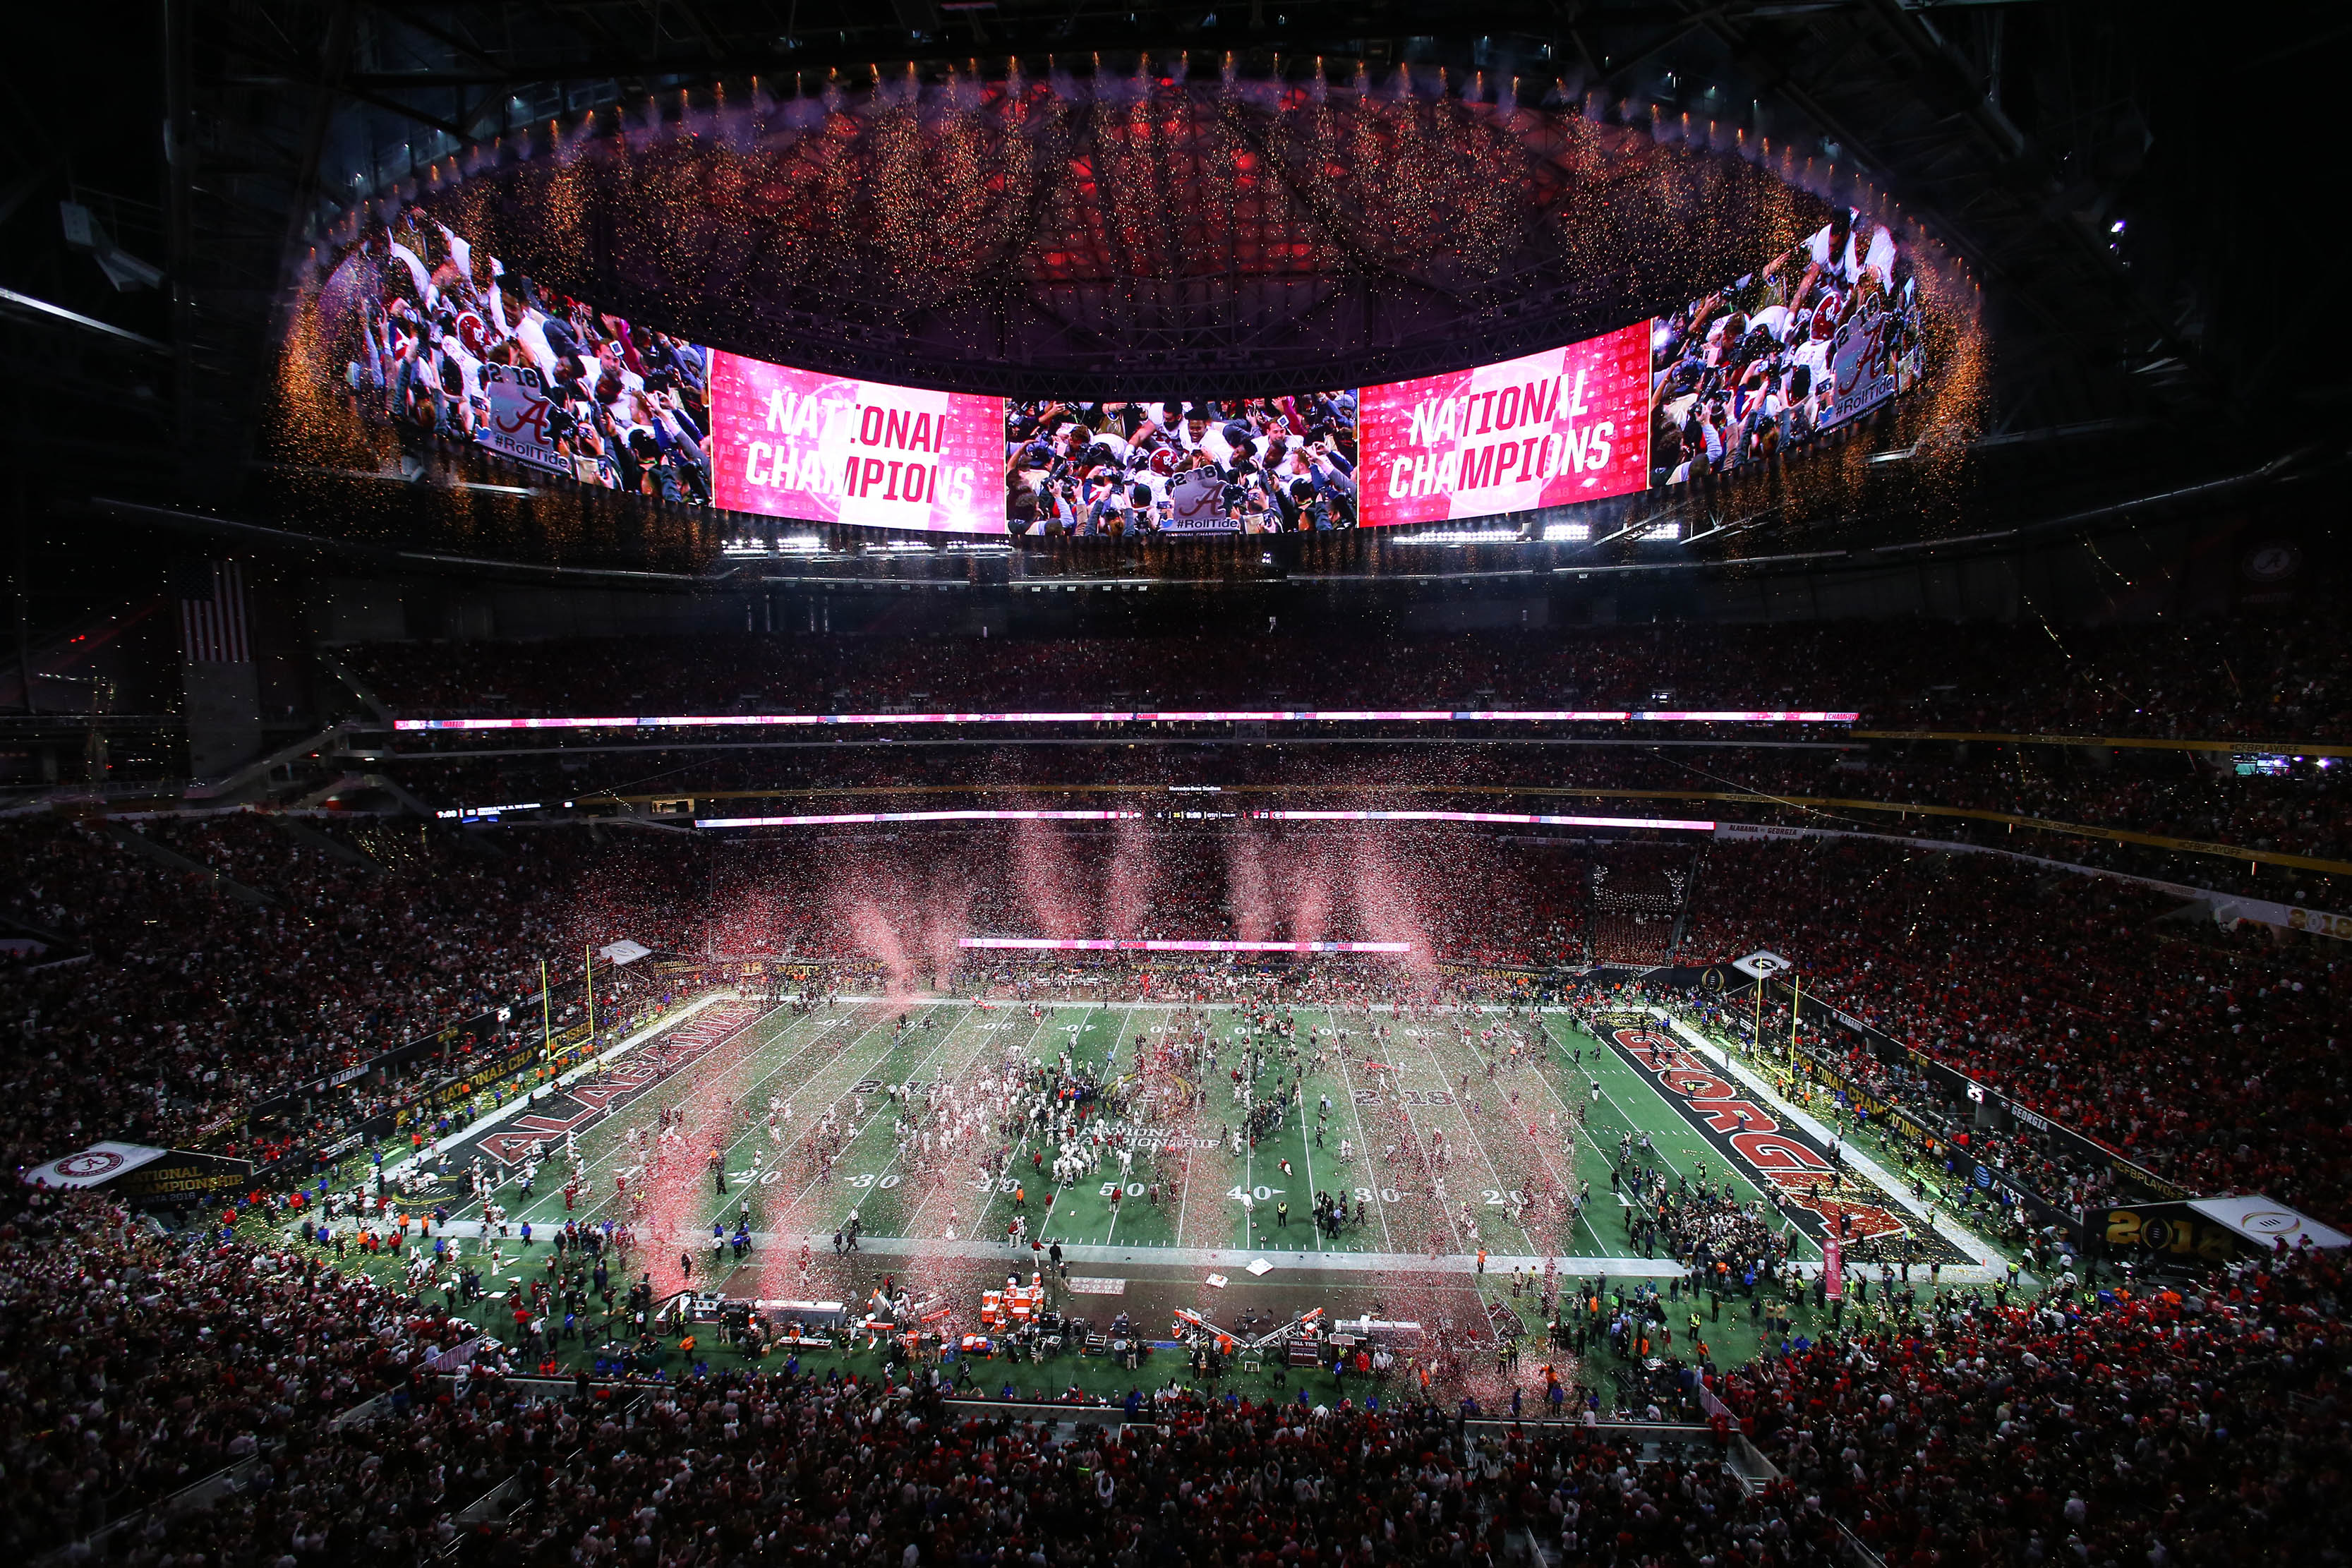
{"x":688,"y":676}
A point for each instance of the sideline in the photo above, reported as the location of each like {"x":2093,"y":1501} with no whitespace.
{"x":596,"y":1064}
{"x":1021,"y":1260}
{"x":1988,"y":1265}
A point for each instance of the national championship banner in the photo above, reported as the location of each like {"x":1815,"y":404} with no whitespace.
{"x":93,"y":1167}
{"x":1568,"y":425}
{"x":793,"y":443}
{"x":143,"y":1176}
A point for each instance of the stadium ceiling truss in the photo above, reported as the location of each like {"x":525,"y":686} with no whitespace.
{"x":1076,"y":234}
{"x":1112,"y":261}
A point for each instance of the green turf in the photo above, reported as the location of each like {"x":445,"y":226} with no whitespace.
{"x":818,"y":1059}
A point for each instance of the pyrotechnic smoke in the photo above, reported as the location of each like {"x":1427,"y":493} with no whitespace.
{"x":1308,"y":872}
{"x":946,"y":916}
{"x":1043,"y":873}
{"x":1248,"y":902}
{"x":1130,"y":880}
{"x":877,"y":937}
{"x":1384,"y":901}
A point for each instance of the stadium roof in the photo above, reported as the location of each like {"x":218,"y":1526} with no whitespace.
{"x":1088,"y":234}
{"x":2069,"y":155}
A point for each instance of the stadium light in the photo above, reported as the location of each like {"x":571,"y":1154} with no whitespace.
{"x":1461,"y":536}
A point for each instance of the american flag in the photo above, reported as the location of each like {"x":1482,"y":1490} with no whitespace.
{"x":212,"y":629}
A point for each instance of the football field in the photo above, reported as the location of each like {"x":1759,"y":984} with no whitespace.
{"x":1448,"y":1134}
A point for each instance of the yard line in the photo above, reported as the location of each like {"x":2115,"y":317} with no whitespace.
{"x":946,"y":1180}
{"x":1307,"y":1156}
{"x":1348,"y":1081}
{"x":1184,"y":1200}
{"x":706,"y":1086}
{"x":1013,"y":1158}
{"x":1475,"y":1143}
{"x":854,"y":1046}
{"x":1583,"y":1143}
{"x":858,"y":1136}
{"x":1675,"y":1120}
{"x":697,"y":1089}
{"x":801,"y":1196}
{"x":1542,"y":1154}
{"x":1420,"y":1153}
{"x":1116,"y":1034}
{"x":697,"y":1086}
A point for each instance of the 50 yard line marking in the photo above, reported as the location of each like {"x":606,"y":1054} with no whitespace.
{"x":1202,"y":1069}
{"x":1116,"y":1034}
{"x":1307,"y":1156}
{"x":1012,"y":1156}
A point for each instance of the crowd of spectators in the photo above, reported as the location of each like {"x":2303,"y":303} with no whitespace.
{"x":2298,"y":809}
{"x":1747,"y":372}
{"x":133,"y":1365}
{"x":2149,"y":1426}
{"x":2207,"y":1056}
{"x":787,"y":1467}
{"x":198,"y":966}
{"x":2191,"y":1423}
{"x":2202,"y":1055}
{"x":2033,"y":1157}
{"x":1460,"y":893}
{"x":2290,"y":682}
{"x":194,"y":1004}
{"x":440,"y":345}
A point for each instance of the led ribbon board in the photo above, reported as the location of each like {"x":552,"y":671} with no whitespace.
{"x":1507,"y":818}
{"x":1160,"y":944}
{"x":841,"y":819}
{"x":1201,"y":716}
